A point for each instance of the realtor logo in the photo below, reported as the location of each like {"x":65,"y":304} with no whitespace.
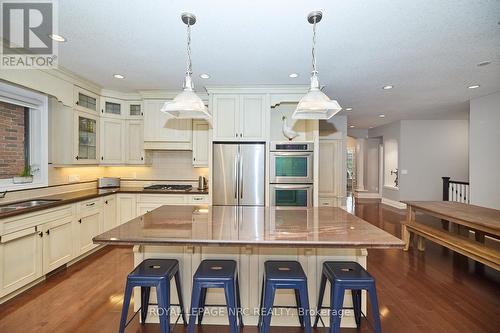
{"x":26,"y":30}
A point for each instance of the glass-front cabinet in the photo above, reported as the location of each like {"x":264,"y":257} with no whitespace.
{"x":134,"y":109}
{"x":87,"y":139}
{"x":111,"y":107}
{"x":86,"y":100}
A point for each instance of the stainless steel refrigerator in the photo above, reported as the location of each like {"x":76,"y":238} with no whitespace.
{"x":238,"y":174}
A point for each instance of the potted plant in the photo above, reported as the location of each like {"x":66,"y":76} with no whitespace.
{"x":26,"y":176}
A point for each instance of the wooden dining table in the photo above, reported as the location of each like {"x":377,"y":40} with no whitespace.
{"x":481,"y":220}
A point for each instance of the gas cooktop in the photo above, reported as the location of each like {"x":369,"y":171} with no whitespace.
{"x":169,"y":187}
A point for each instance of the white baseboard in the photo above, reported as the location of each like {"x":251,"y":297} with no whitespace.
{"x":393,"y":203}
{"x":366,"y":195}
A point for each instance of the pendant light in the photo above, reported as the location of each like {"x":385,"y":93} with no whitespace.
{"x":315,"y":104}
{"x":187,"y":105}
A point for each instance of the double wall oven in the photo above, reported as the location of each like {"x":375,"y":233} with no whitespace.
{"x":291,"y":173}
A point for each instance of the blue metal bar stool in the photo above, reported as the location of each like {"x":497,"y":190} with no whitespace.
{"x":346,"y":275}
{"x":284,"y":275}
{"x":216,"y":274}
{"x":155,"y":273}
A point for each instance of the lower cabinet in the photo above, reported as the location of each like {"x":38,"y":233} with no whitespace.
{"x":109,"y":220}
{"x":57,"y":243}
{"x":20,"y":259}
{"x":126,"y":207}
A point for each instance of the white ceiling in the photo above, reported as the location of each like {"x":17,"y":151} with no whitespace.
{"x":427,"y":49}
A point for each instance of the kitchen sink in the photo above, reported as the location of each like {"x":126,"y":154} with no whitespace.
{"x":26,"y":204}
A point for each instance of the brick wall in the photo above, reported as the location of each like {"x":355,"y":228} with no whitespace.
{"x":11,"y":140}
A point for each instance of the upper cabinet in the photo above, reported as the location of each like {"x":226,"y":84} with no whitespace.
{"x":134,"y":142}
{"x":85,"y":100}
{"x":112,"y":137}
{"x":201,"y":144}
{"x":112,"y":107}
{"x":239,"y":117}
{"x":134,"y":109}
{"x":164,"y":132}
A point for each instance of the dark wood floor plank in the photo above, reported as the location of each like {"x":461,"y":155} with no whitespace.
{"x":434,"y":291}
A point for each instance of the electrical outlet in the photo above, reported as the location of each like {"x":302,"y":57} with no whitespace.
{"x":73,"y":178}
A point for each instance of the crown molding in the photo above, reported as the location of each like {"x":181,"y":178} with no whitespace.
{"x":68,"y":76}
{"x":167,"y":94}
{"x":121,"y":95}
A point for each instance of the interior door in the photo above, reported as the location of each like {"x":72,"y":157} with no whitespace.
{"x":225,"y":174}
{"x":251,"y":174}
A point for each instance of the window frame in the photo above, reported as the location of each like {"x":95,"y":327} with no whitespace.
{"x":38,"y":133}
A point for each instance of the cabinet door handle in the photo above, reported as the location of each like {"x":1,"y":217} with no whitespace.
{"x":76,"y":102}
{"x":142,"y":158}
{"x":80,"y":221}
{"x":102,"y":158}
{"x":76,"y":158}
{"x":47,"y":232}
{"x":106,"y":202}
{"x":102,"y":110}
{"x":40,"y":234}
{"x":241,"y":135}
{"x":236,"y":135}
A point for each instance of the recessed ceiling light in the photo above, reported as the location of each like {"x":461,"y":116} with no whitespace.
{"x":348,"y":109}
{"x":474,"y":86}
{"x":57,"y":38}
{"x":381,"y":115}
{"x":293,"y":75}
{"x":205,"y":76}
{"x":352,"y":126}
{"x":484,"y":63}
{"x":118,"y":76}
{"x":387,"y":87}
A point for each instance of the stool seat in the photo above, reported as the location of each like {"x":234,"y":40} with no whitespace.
{"x":216,"y":270}
{"x":151,"y":268}
{"x":284,"y":271}
{"x":346,"y":271}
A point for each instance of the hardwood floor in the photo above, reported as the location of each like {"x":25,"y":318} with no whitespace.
{"x":435,"y":291}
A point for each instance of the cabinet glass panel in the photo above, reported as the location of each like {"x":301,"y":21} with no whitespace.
{"x":87,"y":102}
{"x":87,"y":138}
{"x":291,"y":166}
{"x":113,"y":108}
{"x":135,"y":109}
{"x":291,"y":198}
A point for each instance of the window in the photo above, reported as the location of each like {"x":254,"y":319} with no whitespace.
{"x":23,"y":137}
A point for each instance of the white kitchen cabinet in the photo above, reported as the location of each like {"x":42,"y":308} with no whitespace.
{"x":239,"y":117}
{"x":57,"y":243}
{"x":85,"y":100}
{"x":201,"y":143}
{"x":164,"y":132}
{"x":126,"y":207}
{"x":20,"y":259}
{"x":225,"y":111}
{"x":112,"y":107}
{"x":109,"y":214}
{"x":134,"y":142}
{"x":112,"y":137}
{"x":330,"y":168}
{"x":134,"y":110}
{"x":74,"y":135}
{"x":88,"y":225}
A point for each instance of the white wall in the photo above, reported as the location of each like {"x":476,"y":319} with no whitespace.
{"x":372,"y":165}
{"x":484,"y":145}
{"x":429,"y":150}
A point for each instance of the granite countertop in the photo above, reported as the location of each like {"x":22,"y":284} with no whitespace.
{"x":75,"y":196}
{"x":318,"y":227}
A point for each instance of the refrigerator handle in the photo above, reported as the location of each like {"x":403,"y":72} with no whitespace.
{"x":236,"y":163}
{"x":241,"y":177}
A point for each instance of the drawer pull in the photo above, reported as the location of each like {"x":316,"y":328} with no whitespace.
{"x":197,"y":199}
{"x":90,"y":204}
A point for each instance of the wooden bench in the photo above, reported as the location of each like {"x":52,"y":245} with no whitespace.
{"x":460,"y":244}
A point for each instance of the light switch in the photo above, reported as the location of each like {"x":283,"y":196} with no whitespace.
{"x":404,"y":172}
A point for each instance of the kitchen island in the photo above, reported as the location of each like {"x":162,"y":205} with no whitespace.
{"x":251,"y":235}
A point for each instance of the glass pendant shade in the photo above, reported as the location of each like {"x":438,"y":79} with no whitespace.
{"x":187,"y":105}
{"x":315,"y":104}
